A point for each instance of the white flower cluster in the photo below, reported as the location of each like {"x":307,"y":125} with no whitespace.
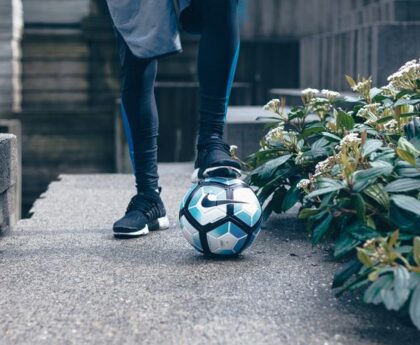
{"x":363,"y":86}
{"x":391,"y":126}
{"x":233,"y":150}
{"x":275,"y":136}
{"x":331,"y":95}
{"x":299,"y":158}
{"x":273,"y":105}
{"x":369,"y":112}
{"x":321,"y":106}
{"x":325,"y":165}
{"x":389,"y":90}
{"x":309,"y":94}
{"x":406,"y":77}
{"x":351,"y":138}
{"x":304,"y":184}
{"x":278,"y":136}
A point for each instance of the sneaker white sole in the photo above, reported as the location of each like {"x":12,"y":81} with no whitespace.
{"x":208,"y":171}
{"x":138,"y":233}
{"x":160,"y":224}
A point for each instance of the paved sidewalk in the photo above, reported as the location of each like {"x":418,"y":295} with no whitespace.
{"x":65,"y":280}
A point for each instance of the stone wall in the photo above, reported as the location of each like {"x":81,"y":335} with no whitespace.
{"x":370,"y":38}
{"x":10,"y":34}
{"x":8,"y":182}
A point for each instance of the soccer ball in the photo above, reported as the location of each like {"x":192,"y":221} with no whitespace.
{"x":220,"y":216}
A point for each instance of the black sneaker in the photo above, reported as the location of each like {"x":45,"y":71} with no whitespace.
{"x":144,"y":212}
{"x":214,"y":160}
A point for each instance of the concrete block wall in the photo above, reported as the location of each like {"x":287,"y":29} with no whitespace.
{"x":8,"y":182}
{"x":337,"y":37}
{"x":11,"y":24}
{"x":273,"y":19}
{"x":372,"y":39}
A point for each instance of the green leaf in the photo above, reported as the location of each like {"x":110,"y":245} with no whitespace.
{"x":406,"y":156}
{"x":291,"y":198}
{"x":370,"y":174}
{"x":320,"y":144}
{"x":404,"y":101}
{"x":404,"y":220}
{"x":414,"y":113}
{"x":384,"y":155}
{"x":375,"y":92}
{"x":403,"y":185}
{"x":324,"y":182}
{"x":377,"y":193}
{"x":326,"y":185}
{"x":319,"y":215}
{"x":331,"y":137}
{"x":308,"y":131}
{"x":360,"y":207}
{"x":414,"y":309}
{"x":384,"y":119}
{"x":370,"y":146}
{"x":344,"y":120}
{"x":412,"y":132}
{"x":321,"y":229}
{"x":405,"y":145}
{"x":362,"y":232}
{"x":346,"y":272}
{"x":267,"y":170}
{"x":350,"y":80}
{"x":271,"y":119}
{"x":305,"y":213}
{"x":407,"y":203}
{"x":407,"y":170}
{"x":345,"y":244}
{"x":364,"y":258}
{"x":277,"y":201}
{"x":315,"y":153}
{"x":373,"y":292}
{"x":416,"y":250}
{"x":352,"y":236}
{"x":396,"y":293}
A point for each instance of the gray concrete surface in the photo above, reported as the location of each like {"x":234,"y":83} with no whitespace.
{"x":65,"y":280}
{"x":9,"y":182}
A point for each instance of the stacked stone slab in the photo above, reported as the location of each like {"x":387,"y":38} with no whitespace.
{"x":10,"y":33}
{"x":337,"y":37}
{"x":8,"y":182}
{"x":372,"y":39}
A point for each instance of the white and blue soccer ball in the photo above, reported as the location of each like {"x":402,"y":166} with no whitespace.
{"x":220,"y":216}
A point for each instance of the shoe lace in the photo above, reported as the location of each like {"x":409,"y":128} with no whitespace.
{"x":145,"y":205}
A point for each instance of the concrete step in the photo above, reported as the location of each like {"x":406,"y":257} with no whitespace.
{"x":244,"y":130}
{"x":66,"y":280}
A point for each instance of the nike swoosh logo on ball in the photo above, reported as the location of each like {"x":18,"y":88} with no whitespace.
{"x":207,"y":203}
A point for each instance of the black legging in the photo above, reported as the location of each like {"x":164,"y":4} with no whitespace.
{"x":218,"y":54}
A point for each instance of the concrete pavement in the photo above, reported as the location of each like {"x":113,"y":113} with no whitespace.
{"x":65,"y":280}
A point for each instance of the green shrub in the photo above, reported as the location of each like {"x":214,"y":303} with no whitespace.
{"x":353,"y":166}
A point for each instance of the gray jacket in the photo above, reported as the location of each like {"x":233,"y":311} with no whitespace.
{"x":149,"y":27}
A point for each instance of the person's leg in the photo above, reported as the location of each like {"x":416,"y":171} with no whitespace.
{"x":139,"y":111}
{"x":138,"y":107}
{"x":217,"y":60}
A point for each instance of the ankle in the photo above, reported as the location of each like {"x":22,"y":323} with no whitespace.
{"x":204,"y":140}
{"x":145,"y":190}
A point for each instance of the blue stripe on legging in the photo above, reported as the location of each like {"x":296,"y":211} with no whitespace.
{"x":128,"y":134}
{"x":232,"y":77}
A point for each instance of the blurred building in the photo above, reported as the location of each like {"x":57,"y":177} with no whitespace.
{"x":59,"y":71}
